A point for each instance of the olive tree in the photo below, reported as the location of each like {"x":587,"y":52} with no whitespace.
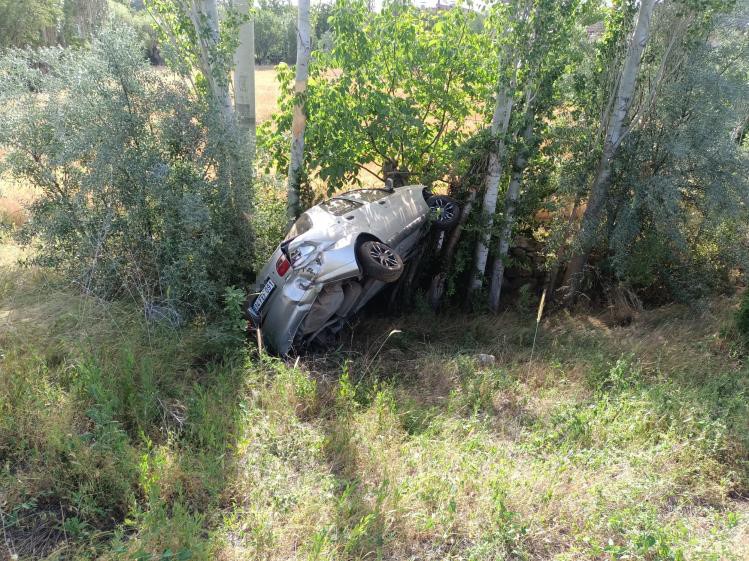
{"x":124,"y":159}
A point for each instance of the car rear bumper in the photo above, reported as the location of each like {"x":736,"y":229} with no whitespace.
{"x":282,"y":314}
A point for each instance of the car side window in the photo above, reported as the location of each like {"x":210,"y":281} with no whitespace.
{"x":339,"y":207}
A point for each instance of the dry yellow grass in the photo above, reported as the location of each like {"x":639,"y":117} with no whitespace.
{"x":14,"y":196}
{"x":266,"y":92}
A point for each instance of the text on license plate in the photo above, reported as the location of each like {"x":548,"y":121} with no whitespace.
{"x":262,"y":298}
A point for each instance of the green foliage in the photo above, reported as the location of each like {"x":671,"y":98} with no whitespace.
{"x":134,"y":15}
{"x":229,"y":331}
{"x":31,"y":22}
{"x":129,"y":165}
{"x":742,"y":316}
{"x":269,"y":213}
{"x":188,"y":45}
{"x":393,"y":94}
{"x":677,"y":210}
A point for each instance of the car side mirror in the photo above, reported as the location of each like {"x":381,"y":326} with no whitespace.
{"x":389,"y":184}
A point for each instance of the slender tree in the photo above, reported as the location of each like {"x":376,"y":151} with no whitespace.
{"x":204,"y":17}
{"x":616,"y":129}
{"x":244,"y":74}
{"x":510,"y":60}
{"x":546,"y":54}
{"x":296,"y":159}
{"x":511,"y":197}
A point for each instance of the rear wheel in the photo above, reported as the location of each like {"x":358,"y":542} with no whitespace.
{"x":380,"y":261}
{"x":445,"y":211}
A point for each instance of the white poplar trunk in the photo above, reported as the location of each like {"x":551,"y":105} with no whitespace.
{"x":500,"y":124}
{"x":296,"y":160}
{"x":615,"y":132}
{"x":204,"y":18}
{"x":244,"y":76}
{"x":511,"y":198}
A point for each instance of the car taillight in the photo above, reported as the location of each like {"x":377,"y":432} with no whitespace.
{"x":282,"y":265}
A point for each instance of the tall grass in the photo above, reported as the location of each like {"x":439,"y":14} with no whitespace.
{"x":120,"y":440}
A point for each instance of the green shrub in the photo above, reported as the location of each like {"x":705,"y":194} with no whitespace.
{"x":269,"y":211}
{"x":742,"y":316}
{"x":142,"y":191}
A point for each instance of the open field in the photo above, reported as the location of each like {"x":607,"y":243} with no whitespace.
{"x":266,"y":92}
{"x":121,"y":440}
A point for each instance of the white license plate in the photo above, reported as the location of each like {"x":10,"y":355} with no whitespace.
{"x":262,"y":298}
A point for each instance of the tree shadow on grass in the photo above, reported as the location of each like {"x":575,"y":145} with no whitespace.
{"x":137,"y":447}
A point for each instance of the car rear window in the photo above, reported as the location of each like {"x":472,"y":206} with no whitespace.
{"x":339,"y":207}
{"x":366,"y":195}
{"x":303,"y":224}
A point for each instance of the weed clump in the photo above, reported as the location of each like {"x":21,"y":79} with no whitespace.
{"x":742,"y":316}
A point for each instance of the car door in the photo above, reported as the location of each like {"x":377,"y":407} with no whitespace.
{"x":378,"y":211}
{"x":408,"y":210}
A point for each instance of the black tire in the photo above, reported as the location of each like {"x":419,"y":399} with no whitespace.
{"x":380,"y":261}
{"x":444,"y":211}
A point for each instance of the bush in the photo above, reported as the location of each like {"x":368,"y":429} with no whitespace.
{"x":742,"y":316}
{"x":268,"y":209}
{"x":142,"y":195}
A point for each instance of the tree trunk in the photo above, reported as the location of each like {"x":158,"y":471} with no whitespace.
{"x":204,"y":17}
{"x":513,"y":191}
{"x":615,"y":132}
{"x":437,"y":286}
{"x":296,"y":161}
{"x":244,"y":77}
{"x":500,"y":124}
{"x":739,"y":133}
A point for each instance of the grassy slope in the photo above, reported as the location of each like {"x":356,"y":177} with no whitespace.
{"x":122,"y":442}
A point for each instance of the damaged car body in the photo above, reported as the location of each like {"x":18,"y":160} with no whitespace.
{"x":336,"y":257}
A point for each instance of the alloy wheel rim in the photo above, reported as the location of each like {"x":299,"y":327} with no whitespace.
{"x":384,"y":256}
{"x":444,"y":209}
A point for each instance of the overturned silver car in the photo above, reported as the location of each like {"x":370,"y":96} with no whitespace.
{"x":336,"y":257}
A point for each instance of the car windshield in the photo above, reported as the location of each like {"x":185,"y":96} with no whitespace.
{"x":303,"y":224}
{"x":339,"y":207}
{"x":365,"y":195}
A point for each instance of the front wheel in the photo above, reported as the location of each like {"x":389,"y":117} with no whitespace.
{"x":380,"y":261}
{"x":444,"y":211}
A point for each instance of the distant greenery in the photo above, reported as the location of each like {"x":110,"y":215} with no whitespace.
{"x":26,"y":23}
{"x":275,"y":30}
{"x":71,"y":22}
